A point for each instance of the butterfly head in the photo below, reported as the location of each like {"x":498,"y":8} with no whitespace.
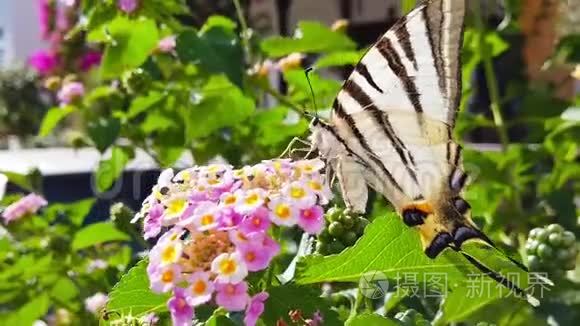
{"x":444,"y":224}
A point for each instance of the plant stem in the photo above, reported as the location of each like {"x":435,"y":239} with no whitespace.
{"x":357,"y":303}
{"x":245,"y":30}
{"x":276,"y":235}
{"x":281,"y":98}
{"x":491,"y":81}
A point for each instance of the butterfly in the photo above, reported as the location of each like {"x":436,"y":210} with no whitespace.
{"x":391,"y":129}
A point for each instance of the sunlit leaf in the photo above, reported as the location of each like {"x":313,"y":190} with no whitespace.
{"x":52,"y":118}
{"x":223,"y":104}
{"x":97,"y":233}
{"x":132,"y":42}
{"x":29,"y":312}
{"x":313,"y":37}
{"x":339,"y":58}
{"x":75,"y":212}
{"x":132,"y":294}
{"x":368,"y":319}
{"x":215,"y":50}
{"x":103,"y":132}
{"x":110,"y":169}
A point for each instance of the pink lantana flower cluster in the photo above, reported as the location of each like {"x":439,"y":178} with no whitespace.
{"x":28,"y":204}
{"x":219,"y":223}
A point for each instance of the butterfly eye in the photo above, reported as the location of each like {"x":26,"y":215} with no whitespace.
{"x":414,"y":217}
{"x":461,"y":205}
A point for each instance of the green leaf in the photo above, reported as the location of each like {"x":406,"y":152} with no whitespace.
{"x":30,"y":312}
{"x":388,"y":246}
{"x":64,"y":290}
{"x":216,"y":50}
{"x":132,"y":295}
{"x":219,"y":320}
{"x":325,"y":90}
{"x":169,"y":145}
{"x":220,"y":22}
{"x":339,"y":58}
{"x":143,"y":103}
{"x":110,"y":169}
{"x":133,"y":41}
{"x":156,"y":121}
{"x":97,"y":233}
{"x":284,"y":298}
{"x":368,"y":319}
{"x":97,"y":19}
{"x":32,"y":181}
{"x":52,"y":118}
{"x":569,"y":48}
{"x":390,"y":250}
{"x":75,"y":212}
{"x":479,"y":291}
{"x":222,"y":105}
{"x":104,"y":132}
{"x":272,"y":128}
{"x":121,"y":258}
{"x":315,"y":38}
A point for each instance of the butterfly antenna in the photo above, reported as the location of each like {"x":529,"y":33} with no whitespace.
{"x":519,"y":292}
{"x":307,"y":72}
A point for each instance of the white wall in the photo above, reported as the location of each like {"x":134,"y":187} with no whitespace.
{"x":21,"y":32}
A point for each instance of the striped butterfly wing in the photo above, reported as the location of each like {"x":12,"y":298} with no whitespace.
{"x":398,"y":107}
{"x":391,"y":129}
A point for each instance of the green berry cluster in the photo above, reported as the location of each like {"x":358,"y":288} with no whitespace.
{"x":551,"y":249}
{"x":412,"y":318}
{"x":341,"y":231}
{"x":136,"y":81}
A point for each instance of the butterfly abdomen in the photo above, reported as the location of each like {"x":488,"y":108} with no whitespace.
{"x":446,"y":225}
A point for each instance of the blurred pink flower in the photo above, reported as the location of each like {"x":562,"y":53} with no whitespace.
{"x":90,"y":59}
{"x":68,"y":3}
{"x":70,"y":91}
{"x":44,"y":17}
{"x":166,"y":44}
{"x":63,"y":22}
{"x":128,"y":6}
{"x":96,"y":302}
{"x":44,"y":62}
{"x":255,"y":308}
{"x":316,"y":319}
{"x":181,"y":312}
{"x":29,"y":204}
{"x":233,"y":297}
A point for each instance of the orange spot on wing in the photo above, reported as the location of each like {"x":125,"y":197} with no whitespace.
{"x":422,"y":206}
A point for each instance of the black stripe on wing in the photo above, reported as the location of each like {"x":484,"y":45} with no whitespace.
{"x":340,"y":113}
{"x":433,"y":18}
{"x":381,"y":118}
{"x":402,"y":34}
{"x":385,"y":47}
{"x":361,"y":68}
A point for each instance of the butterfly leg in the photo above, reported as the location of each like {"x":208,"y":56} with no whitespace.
{"x":292,"y":143}
{"x":352,"y":184}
